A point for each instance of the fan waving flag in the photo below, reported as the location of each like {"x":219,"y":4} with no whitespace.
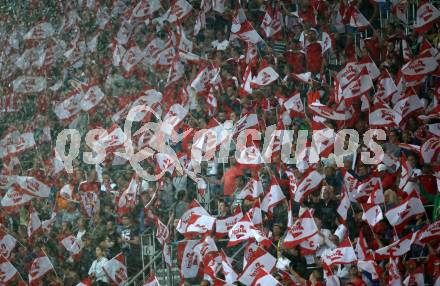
{"x":358,"y":20}
{"x":229,"y":272}
{"x":116,"y":270}
{"x":301,"y":230}
{"x":344,"y":254}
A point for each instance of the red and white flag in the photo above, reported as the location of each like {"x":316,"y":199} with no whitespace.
{"x":32,"y":186}
{"x":71,"y":244}
{"x":255,"y":214}
{"x":145,"y":8}
{"x":263,"y":278}
{"x":301,"y":230}
{"x":372,"y":214}
{"x":116,"y":270}
{"x":408,"y":208}
{"x":386,"y":87}
{"x":397,"y":248}
{"x":417,"y":277}
{"x":14,"y":199}
{"x":178,"y":11}
{"x":252,"y":190}
{"x":430,"y":150}
{"x":34,"y":222}
{"x":273,"y":196}
{"x":404,"y":173}
{"x":222,"y":226}
{"x":7,"y":271}
{"x":39,"y":267}
{"x":394,"y":276}
{"x":344,"y":205}
{"x":311,"y":180}
{"x":245,"y":230}
{"x":193,"y":208}
{"x":15,"y":142}
{"x":132,"y":57}
{"x":327,"y":112}
{"x":245,"y":32}
{"x":427,"y":15}
{"x":407,"y":106}
{"x":29,"y":84}
{"x":199,"y":224}
{"x":66,"y":192}
{"x":261,"y":259}
{"x":7,"y":243}
{"x":360,"y":85}
{"x":418,"y":68}
{"x":383,"y":116}
{"x":430,"y":232}
{"x":229,"y":272}
{"x":152,"y":281}
{"x":358,"y":20}
{"x":128,"y":198}
{"x":265,"y":76}
{"x":272,"y":22}
{"x":40,"y":31}
{"x":245,"y":87}
{"x":344,"y":254}
{"x":188,"y":259}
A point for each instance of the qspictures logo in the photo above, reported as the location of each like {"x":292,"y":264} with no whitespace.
{"x":212,"y":144}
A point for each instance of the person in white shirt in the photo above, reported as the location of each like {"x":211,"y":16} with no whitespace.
{"x":96,"y":270}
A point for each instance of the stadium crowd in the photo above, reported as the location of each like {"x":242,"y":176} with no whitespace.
{"x":287,"y":64}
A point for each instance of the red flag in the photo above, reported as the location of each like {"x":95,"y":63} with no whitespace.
{"x":301,"y":230}
{"x":116,"y":270}
{"x":430,"y":232}
{"x":14,"y":199}
{"x":71,"y":245}
{"x":32,"y":186}
{"x":15,"y":142}
{"x":245,"y":32}
{"x":344,"y":205}
{"x":128,"y":198}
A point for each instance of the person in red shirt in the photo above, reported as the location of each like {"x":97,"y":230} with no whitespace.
{"x":315,"y":60}
{"x":295,"y":57}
